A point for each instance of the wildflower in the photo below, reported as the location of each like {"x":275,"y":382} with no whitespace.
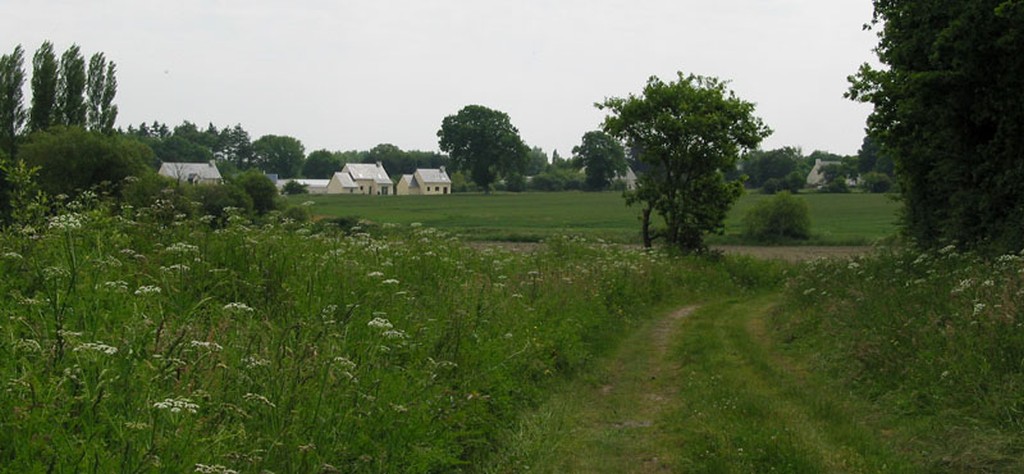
{"x":213,"y":469}
{"x":978,"y":308}
{"x":182,"y":248}
{"x":239,"y":308}
{"x":12,"y":256}
{"x":96,"y":347}
{"x":252,"y":362}
{"x":947,"y":249}
{"x":66,"y":222}
{"x":148,"y":290}
{"x":54,"y":273}
{"x":28,"y":345}
{"x":390,"y":281}
{"x":177,"y":405}
{"x":394,"y":334}
{"x":210,"y":346}
{"x":380,"y":323}
{"x":345,"y":363}
{"x":176,"y":268}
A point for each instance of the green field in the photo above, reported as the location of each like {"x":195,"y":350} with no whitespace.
{"x":836,"y":219}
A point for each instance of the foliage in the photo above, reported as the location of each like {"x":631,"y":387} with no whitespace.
{"x":949,"y":109}
{"x":281,"y":155}
{"x":321,"y":164}
{"x":556,"y":179}
{"x":689,"y":132}
{"x":72,"y":160}
{"x":876,"y":182}
{"x":101,"y":87}
{"x":836,"y":185}
{"x":294,"y":187}
{"x":483,"y":143}
{"x":260,"y":190}
{"x":397,"y":161}
{"x":780,"y":218}
{"x":603,"y":158}
{"x":537,"y":161}
{"x":761,"y":166}
{"x":221,"y":201}
{"x":44,"y":88}
{"x":935,"y":338}
{"x":71,"y":79}
{"x":12,"y":109}
{"x":144,"y":345}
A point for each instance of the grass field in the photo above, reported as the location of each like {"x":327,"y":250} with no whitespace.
{"x":836,"y":219}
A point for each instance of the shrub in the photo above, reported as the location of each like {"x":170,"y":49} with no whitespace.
{"x":772,"y":186}
{"x":836,"y":186}
{"x":781,"y":217}
{"x":260,"y":189}
{"x":876,"y":182}
{"x":294,"y":187}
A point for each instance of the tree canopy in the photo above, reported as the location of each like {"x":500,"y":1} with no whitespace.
{"x":71,"y":159}
{"x":483,"y":142}
{"x":603,"y":157}
{"x":278,"y":154}
{"x":689,"y":132}
{"x":949,"y":111}
{"x":12,"y":109}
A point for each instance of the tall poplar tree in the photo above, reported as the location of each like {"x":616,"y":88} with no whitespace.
{"x":71,"y":108}
{"x":12,"y":111}
{"x":44,"y":88}
{"x":101,"y":87}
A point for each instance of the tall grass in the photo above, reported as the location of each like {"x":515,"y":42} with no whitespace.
{"x":143,"y":341}
{"x":936,"y":339}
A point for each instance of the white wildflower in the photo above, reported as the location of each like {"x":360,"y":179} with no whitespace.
{"x":176,"y":268}
{"x":12,"y":256}
{"x":28,"y":345}
{"x":177,"y":405}
{"x":239,"y":308}
{"x":978,"y":308}
{"x":210,"y":346}
{"x":375,"y":275}
{"x":252,"y":362}
{"x":345,"y":363}
{"x":947,"y":249}
{"x":213,"y":469}
{"x":56,"y":273}
{"x":66,"y":222}
{"x":380,"y":323}
{"x":390,"y":281}
{"x":96,"y":347}
{"x":182,"y":248}
{"x":148,"y":290}
{"x":394,"y":334}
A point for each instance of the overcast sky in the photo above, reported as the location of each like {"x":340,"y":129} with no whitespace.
{"x":350,"y":74}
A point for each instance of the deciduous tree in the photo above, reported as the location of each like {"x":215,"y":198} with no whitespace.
{"x":44,"y":88}
{"x":689,"y":132}
{"x":949,"y":110}
{"x":278,"y":154}
{"x":12,"y":109}
{"x":71,"y":110}
{"x":483,"y":142}
{"x":603,"y":157}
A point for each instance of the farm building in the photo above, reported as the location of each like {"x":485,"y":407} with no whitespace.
{"x":430,"y":182}
{"x":313,"y":186}
{"x":361,"y":178}
{"x":192,"y":173}
{"x":816,"y":177}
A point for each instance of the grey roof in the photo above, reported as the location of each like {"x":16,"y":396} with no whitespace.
{"x":409,"y":178}
{"x":433,"y":176}
{"x":204,"y":171}
{"x":313,"y":183}
{"x":362,"y":171}
{"x":346,"y":180}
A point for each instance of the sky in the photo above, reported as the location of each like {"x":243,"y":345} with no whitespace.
{"x":351,"y":74}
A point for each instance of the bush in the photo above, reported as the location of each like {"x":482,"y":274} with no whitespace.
{"x":260,"y":189}
{"x":292,"y":188}
{"x":877,"y":182}
{"x":836,"y":186}
{"x":781,"y":217}
{"x":213,"y":199}
{"x":772,"y":186}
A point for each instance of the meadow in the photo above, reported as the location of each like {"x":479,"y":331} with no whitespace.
{"x":836,"y":219}
{"x":143,"y":340}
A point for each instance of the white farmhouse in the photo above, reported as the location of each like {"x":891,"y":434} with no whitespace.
{"x":425,"y":181}
{"x":361,"y":178}
{"x":191,"y":173}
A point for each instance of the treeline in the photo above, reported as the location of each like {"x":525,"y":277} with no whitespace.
{"x":787,"y":169}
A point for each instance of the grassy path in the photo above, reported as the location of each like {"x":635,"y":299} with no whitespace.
{"x":701,"y":390}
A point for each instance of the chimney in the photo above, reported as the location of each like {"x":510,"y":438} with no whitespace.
{"x":442,"y":170}
{"x":380,"y":165}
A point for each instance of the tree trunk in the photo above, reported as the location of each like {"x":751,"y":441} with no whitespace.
{"x":646,"y":227}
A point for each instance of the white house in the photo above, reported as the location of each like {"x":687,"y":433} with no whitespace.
{"x":192,"y":173}
{"x":425,"y":181}
{"x":361,"y":178}
{"x":629,"y":178}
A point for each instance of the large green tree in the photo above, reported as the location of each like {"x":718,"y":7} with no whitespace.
{"x":603,"y":157}
{"x":689,"y":132}
{"x":72,"y":159}
{"x":949,"y":111}
{"x":71,"y":108}
{"x":282,"y":155}
{"x":12,"y":108}
{"x":321,"y":164}
{"x":44,"y":88}
{"x":483,"y":142}
{"x":762,"y":165}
